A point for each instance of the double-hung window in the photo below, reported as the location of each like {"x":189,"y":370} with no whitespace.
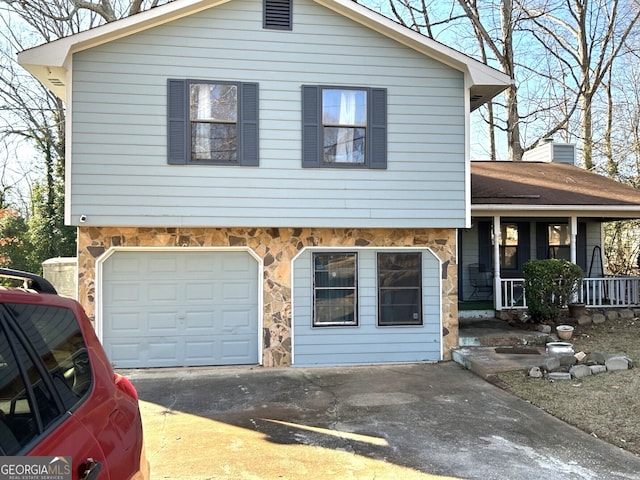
{"x":344,"y":127}
{"x":212,"y":122}
{"x":335,"y":289}
{"x":509,"y":246}
{"x":559,"y":241}
{"x":399,"y":288}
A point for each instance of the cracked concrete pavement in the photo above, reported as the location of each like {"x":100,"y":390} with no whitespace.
{"x":417,"y":421}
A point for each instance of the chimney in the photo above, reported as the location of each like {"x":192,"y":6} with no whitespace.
{"x":550,"y":151}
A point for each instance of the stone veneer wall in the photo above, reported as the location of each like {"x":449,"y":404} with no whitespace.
{"x":276,"y":246}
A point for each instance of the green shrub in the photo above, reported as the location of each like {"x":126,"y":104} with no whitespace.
{"x":549,"y":286}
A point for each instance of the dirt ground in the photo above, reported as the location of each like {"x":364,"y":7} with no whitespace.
{"x":606,"y":405}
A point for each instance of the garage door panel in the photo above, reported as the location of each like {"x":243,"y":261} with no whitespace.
{"x":164,"y":292}
{"x":199,"y":292}
{"x":125,"y":322}
{"x":163,"y":323}
{"x":128,"y":354}
{"x":198,"y":351}
{"x":163,"y":352}
{"x":237,"y":320}
{"x":163,"y":264}
{"x":125,"y":265}
{"x":195,"y":265}
{"x":125,"y":292}
{"x":196,"y":308}
{"x":236,"y":291}
{"x":234,"y":350}
{"x":200,"y":323}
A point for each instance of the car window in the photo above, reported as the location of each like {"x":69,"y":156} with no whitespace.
{"x":19,"y":423}
{"x":56,"y":336}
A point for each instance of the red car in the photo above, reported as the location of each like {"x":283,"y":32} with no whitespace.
{"x":59,"y":395}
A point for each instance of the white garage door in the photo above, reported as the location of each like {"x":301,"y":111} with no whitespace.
{"x":180,"y":308}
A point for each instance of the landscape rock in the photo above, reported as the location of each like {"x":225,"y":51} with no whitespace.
{"x":559,"y":376}
{"x":598,"y":318}
{"x":597,"y":358}
{"x":626,"y":314}
{"x":580,"y":371}
{"x":567,"y":360}
{"x":595,"y":369}
{"x":617,"y":363}
{"x":535,"y":372}
{"x":550,"y":364}
{"x":544,"y":328}
{"x":611,"y":315}
{"x":584,"y":319}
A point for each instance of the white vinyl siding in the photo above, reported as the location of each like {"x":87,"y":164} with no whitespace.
{"x":119,"y":171}
{"x":366,"y":342}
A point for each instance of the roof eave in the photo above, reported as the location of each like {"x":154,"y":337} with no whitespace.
{"x":613,"y":211}
{"x":484,"y":82}
{"x":50,"y":63}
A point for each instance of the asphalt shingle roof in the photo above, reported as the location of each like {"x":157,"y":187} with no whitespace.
{"x":541,"y":183}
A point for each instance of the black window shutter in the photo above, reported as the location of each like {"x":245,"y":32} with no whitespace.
{"x":311,"y":126}
{"x":177,"y":143}
{"x":581,"y":247}
{"x":542,"y":241}
{"x":249,"y":151}
{"x":524,"y":244}
{"x":378,"y":128}
{"x":485,"y":249}
{"x":277,"y":14}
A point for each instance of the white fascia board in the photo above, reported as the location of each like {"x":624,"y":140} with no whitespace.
{"x":617,"y":211}
{"x":479,"y":73}
{"x":51,"y":61}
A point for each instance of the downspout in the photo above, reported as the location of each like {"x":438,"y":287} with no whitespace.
{"x":497,"y":283}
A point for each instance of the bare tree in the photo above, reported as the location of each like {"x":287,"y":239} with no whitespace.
{"x":31,"y":114}
{"x":584,"y":36}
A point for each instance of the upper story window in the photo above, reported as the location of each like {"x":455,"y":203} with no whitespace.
{"x":344,"y":127}
{"x":212,"y":122}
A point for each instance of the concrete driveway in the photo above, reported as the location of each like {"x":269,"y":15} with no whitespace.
{"x":419,"y":421}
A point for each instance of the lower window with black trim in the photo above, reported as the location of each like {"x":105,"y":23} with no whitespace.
{"x":399,"y":288}
{"x":335,"y":289}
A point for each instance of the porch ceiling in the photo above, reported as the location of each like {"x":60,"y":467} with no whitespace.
{"x":537,"y":188}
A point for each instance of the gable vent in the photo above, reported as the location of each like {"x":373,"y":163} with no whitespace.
{"x":277,"y":14}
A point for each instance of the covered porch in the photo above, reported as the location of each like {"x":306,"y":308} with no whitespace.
{"x":538,"y":210}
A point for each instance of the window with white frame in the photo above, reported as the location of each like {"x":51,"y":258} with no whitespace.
{"x":399,"y":288}
{"x":559,"y":241}
{"x":335,"y":289}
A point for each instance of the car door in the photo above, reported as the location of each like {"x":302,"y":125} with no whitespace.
{"x":44,"y":377}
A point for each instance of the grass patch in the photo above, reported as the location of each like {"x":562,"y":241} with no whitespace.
{"x":604,"y":405}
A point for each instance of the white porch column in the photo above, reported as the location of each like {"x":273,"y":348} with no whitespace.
{"x":573,"y":230}
{"x":497,"y":284}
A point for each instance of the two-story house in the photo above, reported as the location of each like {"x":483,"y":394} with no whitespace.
{"x":266,"y":182}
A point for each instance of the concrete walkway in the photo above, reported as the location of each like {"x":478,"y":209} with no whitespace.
{"x":418,"y":421}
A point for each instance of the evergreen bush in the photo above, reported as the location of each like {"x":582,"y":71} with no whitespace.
{"x":550,"y":285}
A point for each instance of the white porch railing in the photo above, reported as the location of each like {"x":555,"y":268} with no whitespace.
{"x":614,"y":291}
